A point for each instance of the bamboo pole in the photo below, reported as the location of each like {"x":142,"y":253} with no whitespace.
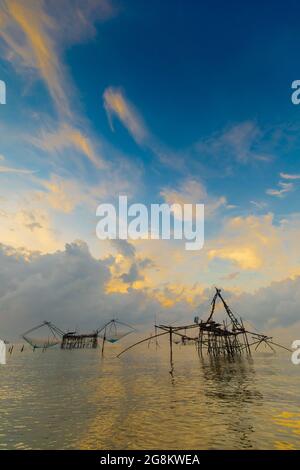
{"x":140,"y":342}
{"x":103,"y":342}
{"x":171,"y":349}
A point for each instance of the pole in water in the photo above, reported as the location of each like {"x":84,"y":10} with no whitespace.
{"x":171,"y":350}
{"x":103,"y":342}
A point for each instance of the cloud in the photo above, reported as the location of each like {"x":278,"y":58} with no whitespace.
{"x":7,"y":169}
{"x":36,"y":31}
{"x":34,"y":34}
{"x":71,"y":288}
{"x":31,"y":228}
{"x":60,"y":194}
{"x":259,"y":204}
{"x":67,"y":137}
{"x":124,"y":247}
{"x":290,"y":176}
{"x":273,"y":306}
{"x":261,"y":247}
{"x":28,"y":32}
{"x":283,"y":189}
{"x":68,"y":288}
{"x":192,"y":191}
{"x":129,"y":268}
{"x":132,"y":276}
{"x":248,"y":242}
{"x":20,"y":171}
{"x":243,"y":142}
{"x":117,"y":105}
{"x":230,"y":276}
{"x":284,"y":186}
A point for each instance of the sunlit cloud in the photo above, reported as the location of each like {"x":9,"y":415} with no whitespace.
{"x":34,"y":34}
{"x":28,"y":32}
{"x":192,"y":191}
{"x":67,"y":137}
{"x":29,"y":228}
{"x":245,"y":257}
{"x":117,"y":105}
{"x":258,"y":244}
{"x":36,"y":31}
{"x":246,"y":241}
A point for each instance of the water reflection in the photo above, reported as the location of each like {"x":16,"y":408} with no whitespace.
{"x":231,"y":384}
{"x":288,"y":422}
{"x":76,"y":400}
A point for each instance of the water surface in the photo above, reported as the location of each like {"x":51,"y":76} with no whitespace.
{"x":76,"y":400}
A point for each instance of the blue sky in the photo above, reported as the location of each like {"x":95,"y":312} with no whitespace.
{"x":168,"y":101}
{"x":194,"y":69}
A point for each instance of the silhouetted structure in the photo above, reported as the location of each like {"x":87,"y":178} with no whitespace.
{"x":72,"y":340}
{"x":113,"y":331}
{"x":43,"y":336}
{"x":229,"y":338}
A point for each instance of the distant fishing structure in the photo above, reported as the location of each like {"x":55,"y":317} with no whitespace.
{"x":72,"y":340}
{"x":113,"y":331}
{"x":43,"y":336}
{"x":228,"y":339}
{"x":47,"y":335}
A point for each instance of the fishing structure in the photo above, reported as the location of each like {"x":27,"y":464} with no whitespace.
{"x":113,"y":331}
{"x":72,"y":340}
{"x":228,"y":339}
{"x":48,"y":336}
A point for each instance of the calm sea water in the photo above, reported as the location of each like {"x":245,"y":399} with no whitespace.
{"x":76,"y":400}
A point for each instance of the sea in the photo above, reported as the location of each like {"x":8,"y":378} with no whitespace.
{"x":78,"y":399}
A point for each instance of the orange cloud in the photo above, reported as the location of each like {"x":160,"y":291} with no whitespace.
{"x":34,"y":41}
{"x":27,"y":31}
{"x":116,"y":104}
{"x":250,"y":242}
{"x":30,"y":229}
{"x":66,"y":136}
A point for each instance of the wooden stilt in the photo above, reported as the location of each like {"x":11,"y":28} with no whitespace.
{"x":103,"y":342}
{"x":171,"y":350}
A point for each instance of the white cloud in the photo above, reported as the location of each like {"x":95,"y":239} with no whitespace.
{"x":21,"y":171}
{"x":192,"y":191}
{"x":283,"y":189}
{"x":259,"y":204}
{"x":290,"y":176}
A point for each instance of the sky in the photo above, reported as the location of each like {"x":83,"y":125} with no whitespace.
{"x":178,"y":101}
